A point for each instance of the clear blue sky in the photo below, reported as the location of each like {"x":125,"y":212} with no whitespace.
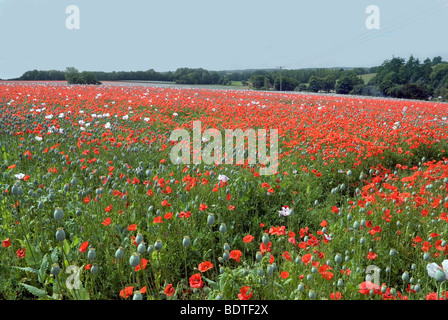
{"x":216,"y":35}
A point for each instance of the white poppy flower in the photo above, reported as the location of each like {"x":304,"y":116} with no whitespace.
{"x":19,"y":176}
{"x":222,"y":178}
{"x":286,"y":211}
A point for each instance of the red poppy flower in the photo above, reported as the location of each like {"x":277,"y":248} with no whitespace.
{"x":84,"y":246}
{"x":248,"y":238}
{"x":132,"y":227}
{"x":335,"y":296}
{"x":6,"y":243}
{"x":243,"y":293}
{"x":284,"y":274}
{"x":204,"y":266}
{"x":142,"y":265}
{"x":235,"y":254}
{"x":20,"y":253}
{"x":107,"y":221}
{"x":126,"y":292}
{"x":169,"y":290}
{"x":196,"y":281}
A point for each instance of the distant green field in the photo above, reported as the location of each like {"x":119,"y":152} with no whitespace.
{"x":367,"y":77}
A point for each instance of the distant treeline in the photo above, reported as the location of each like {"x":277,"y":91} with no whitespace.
{"x":201,"y":76}
{"x":396,"y":77}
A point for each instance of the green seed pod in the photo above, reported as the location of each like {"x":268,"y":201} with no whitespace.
{"x":309,"y":277}
{"x":270,"y":270}
{"x":301,"y":287}
{"x":186,"y":241}
{"x":137,"y":295}
{"x":426,"y":256}
{"x":258,"y":256}
{"x":226,"y":247}
{"x":119,"y":253}
{"x":139,"y":238}
{"x":338,"y":258}
{"x":58,"y":214}
{"x":158,"y":245}
{"x":265,"y":239}
{"x":134,"y":260}
{"x":260,"y":272}
{"x":312,"y":295}
{"x":405,"y":276}
{"x":226,"y":255}
{"x":60,"y":234}
{"x":94,"y":269}
{"x":141,"y":248}
{"x":91,"y":254}
{"x":211,"y":219}
{"x":150,"y":249}
{"x":440,"y":276}
{"x":55,"y":269}
{"x":340,"y":283}
{"x":223,"y":228}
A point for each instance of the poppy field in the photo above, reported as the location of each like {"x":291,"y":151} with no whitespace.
{"x":92,"y":206}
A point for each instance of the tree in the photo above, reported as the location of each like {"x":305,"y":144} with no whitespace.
{"x":315,"y":84}
{"x":347,"y":82}
{"x":257,"y":81}
{"x":288,"y":84}
{"x":329,"y":83}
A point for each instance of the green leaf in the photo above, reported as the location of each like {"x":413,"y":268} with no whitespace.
{"x":27,"y":269}
{"x":33,"y":256}
{"x":82,"y":294}
{"x":212,"y":284}
{"x":43,"y":268}
{"x":55,"y":255}
{"x":35,"y":291}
